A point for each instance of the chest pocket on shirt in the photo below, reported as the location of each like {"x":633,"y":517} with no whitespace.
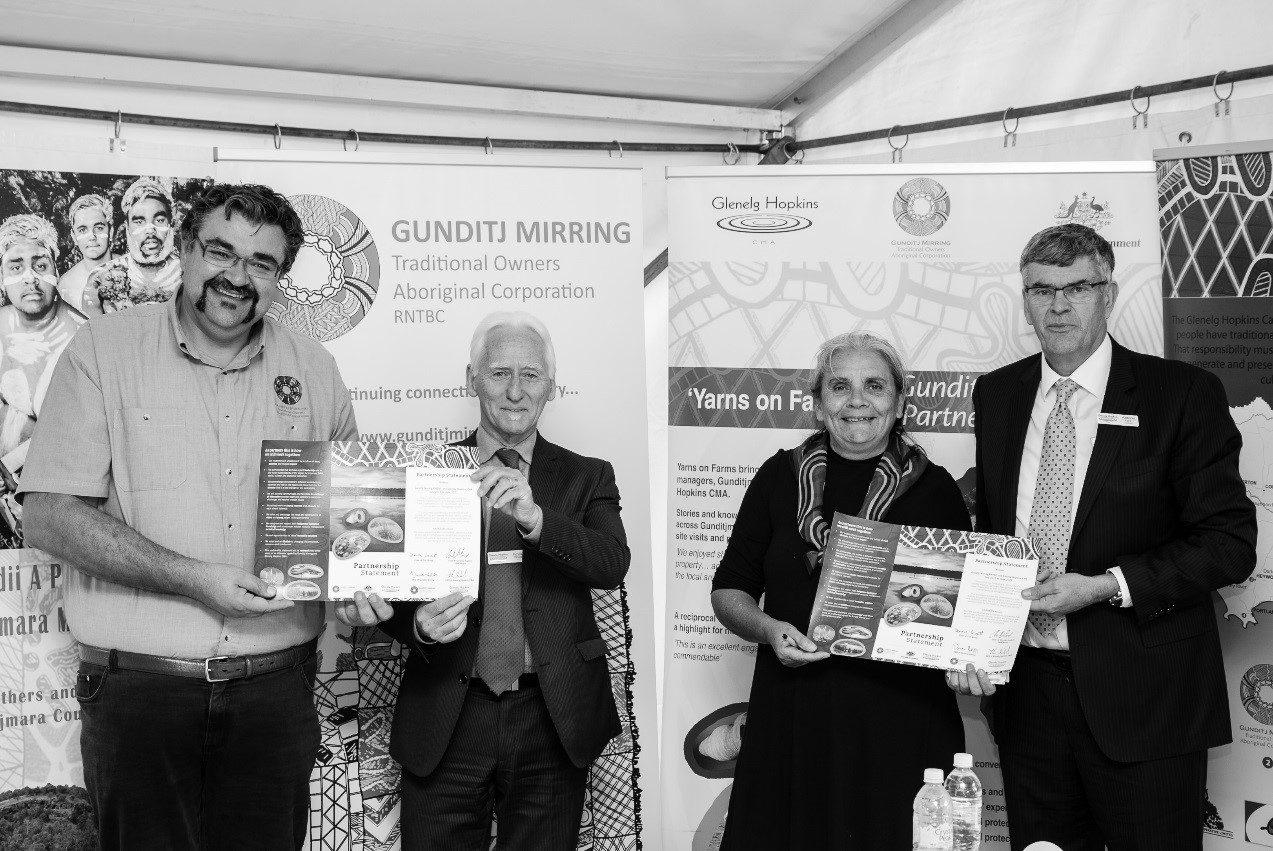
{"x":149,"y":448}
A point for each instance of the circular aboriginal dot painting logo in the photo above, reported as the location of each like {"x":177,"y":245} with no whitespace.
{"x":764,"y":223}
{"x":333,"y":283}
{"x":921,"y":206}
{"x":287,"y":389}
{"x":1256,"y":691}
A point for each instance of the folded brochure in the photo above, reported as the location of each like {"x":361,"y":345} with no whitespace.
{"x":402,"y":520}
{"x":938,"y":598}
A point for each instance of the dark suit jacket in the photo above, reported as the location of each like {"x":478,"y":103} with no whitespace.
{"x":582,"y":546}
{"x":1163,"y":500}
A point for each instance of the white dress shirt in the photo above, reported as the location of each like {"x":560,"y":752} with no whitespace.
{"x":1085,"y":407}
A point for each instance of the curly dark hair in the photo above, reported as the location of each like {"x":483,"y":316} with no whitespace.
{"x":259,"y":204}
{"x":1061,"y":245}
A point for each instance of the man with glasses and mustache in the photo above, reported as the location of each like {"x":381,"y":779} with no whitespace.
{"x":198,"y":724}
{"x":1123,"y":469}
{"x":507,"y":699}
{"x":151,"y":270}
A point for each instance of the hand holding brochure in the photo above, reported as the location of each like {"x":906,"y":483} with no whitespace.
{"x":402,"y":520}
{"x":938,"y":598}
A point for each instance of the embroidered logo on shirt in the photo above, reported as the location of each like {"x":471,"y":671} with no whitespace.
{"x":287,"y":389}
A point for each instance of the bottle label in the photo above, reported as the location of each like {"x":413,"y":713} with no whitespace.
{"x":930,"y":837}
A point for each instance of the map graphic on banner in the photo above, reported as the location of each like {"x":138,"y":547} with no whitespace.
{"x":396,"y":305}
{"x":1216,"y":216}
{"x":765,"y":264}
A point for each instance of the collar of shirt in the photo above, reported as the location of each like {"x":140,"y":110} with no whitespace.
{"x":1092,"y":375}
{"x":256,"y":339}
{"x":488,"y":444}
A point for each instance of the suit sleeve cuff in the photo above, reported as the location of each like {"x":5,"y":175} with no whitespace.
{"x":1117,"y":573}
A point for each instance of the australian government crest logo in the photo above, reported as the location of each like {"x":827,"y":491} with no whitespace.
{"x":334,"y":281}
{"x":921,"y":207}
{"x":1084,"y":210}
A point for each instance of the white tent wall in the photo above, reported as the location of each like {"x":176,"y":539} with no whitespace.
{"x":984,"y":56}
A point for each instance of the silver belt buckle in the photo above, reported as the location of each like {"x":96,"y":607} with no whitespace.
{"x":207,"y":669}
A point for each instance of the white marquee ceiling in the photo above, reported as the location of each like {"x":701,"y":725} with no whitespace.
{"x":750,"y":53}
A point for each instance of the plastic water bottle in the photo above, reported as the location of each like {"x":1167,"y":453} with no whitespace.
{"x":965,"y":797}
{"x":933,"y":818}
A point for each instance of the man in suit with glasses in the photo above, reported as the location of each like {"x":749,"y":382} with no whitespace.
{"x":1123,"y":468}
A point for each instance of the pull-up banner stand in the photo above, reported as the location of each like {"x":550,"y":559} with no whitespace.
{"x":765,"y":264}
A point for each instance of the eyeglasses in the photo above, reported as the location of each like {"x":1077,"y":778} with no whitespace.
{"x":261,"y":270}
{"x":503,"y":377}
{"x":1079,"y":293}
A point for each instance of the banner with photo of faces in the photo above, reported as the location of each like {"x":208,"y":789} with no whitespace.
{"x":764,"y":265}
{"x":401,"y":262}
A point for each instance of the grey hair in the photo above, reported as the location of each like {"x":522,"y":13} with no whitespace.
{"x":857,"y":341}
{"x":512,"y":319}
{"x":1061,"y":245}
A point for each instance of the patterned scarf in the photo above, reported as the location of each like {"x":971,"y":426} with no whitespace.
{"x":900,"y":466}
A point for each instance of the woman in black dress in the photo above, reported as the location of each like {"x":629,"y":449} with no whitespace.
{"x":834,"y":749}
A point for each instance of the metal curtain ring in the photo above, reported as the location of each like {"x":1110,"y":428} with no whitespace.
{"x":119,"y":123}
{"x":890,"y":138}
{"x":731,"y":151}
{"x":618,"y":145}
{"x":344,"y":143}
{"x":797,"y":158}
{"x":490,"y":146}
{"x":1132,"y":100}
{"x":1016,"y":122}
{"x":1215,"y":81}
{"x":278,"y":137}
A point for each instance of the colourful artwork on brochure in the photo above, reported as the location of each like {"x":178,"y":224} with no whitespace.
{"x":402,"y":520}
{"x":937,"y":598}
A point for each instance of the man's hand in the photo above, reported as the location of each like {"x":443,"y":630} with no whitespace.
{"x":363,"y":610}
{"x":792,"y":647}
{"x":508,"y":491}
{"x":443,"y":620}
{"x":234,"y":592}
{"x":973,"y":681}
{"x":1070,"y":592}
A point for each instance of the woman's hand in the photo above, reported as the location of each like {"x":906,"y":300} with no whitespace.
{"x":974,"y":681}
{"x":791,"y":646}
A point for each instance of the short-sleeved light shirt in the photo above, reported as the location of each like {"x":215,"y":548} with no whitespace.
{"x":171,"y":442}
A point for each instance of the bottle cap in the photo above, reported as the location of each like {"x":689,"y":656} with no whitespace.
{"x":933,"y":775}
{"x":963,"y":760}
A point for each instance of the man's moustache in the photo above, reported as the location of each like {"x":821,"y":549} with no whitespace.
{"x":201,"y":304}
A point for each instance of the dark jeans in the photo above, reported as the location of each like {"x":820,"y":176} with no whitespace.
{"x":177,"y":763}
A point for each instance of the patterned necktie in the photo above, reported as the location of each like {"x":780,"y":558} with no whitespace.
{"x":1051,"y":516}
{"x":501,"y":641}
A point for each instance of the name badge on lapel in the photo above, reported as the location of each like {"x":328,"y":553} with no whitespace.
{"x":504,"y":557}
{"x":1129,"y":420}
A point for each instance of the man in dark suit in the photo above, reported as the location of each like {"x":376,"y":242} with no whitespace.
{"x":507,"y":700}
{"x":1123,"y":468}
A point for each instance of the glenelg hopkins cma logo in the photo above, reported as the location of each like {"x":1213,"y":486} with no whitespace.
{"x":921,"y":207}
{"x":763,"y":215}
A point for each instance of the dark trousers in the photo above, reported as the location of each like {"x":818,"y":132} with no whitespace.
{"x":1059,"y":786}
{"x":504,"y":758}
{"x":176,"y":763}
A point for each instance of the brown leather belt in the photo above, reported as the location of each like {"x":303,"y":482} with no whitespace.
{"x":525,"y":681}
{"x":214,"y":669}
{"x":1060,"y":659}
